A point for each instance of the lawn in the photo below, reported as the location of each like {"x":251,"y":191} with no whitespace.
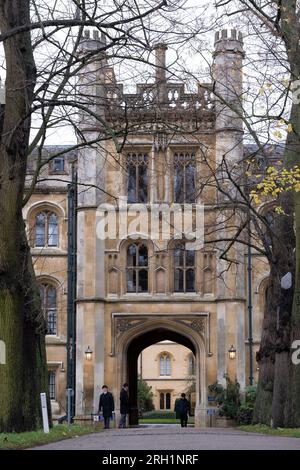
{"x":162,"y":421}
{"x":30,"y":439}
{"x":260,"y":428}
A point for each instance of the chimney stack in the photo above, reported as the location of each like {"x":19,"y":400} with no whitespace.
{"x":160,"y":62}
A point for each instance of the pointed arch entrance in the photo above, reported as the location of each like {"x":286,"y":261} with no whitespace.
{"x":139,"y":333}
{"x":136,"y":346}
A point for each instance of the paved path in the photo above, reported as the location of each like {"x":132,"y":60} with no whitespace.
{"x":175,"y":438}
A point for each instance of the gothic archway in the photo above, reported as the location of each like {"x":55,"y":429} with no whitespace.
{"x":147,"y":331}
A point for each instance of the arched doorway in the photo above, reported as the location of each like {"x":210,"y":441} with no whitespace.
{"x":134,"y":349}
{"x":132,"y":333}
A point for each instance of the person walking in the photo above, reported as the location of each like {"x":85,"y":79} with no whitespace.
{"x":106,"y":405}
{"x":182,"y":410}
{"x":124,"y":405}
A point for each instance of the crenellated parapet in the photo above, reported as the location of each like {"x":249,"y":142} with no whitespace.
{"x":161,"y":100}
{"x":229,"y":40}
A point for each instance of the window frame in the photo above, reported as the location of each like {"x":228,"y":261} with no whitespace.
{"x":137,"y":269}
{"x":53,"y":170}
{"x":165,"y":400}
{"x":184,"y":268}
{"x":182,"y":159}
{"x":46,"y":286}
{"x":47,"y":214}
{"x":191,"y":365}
{"x":52,"y":384}
{"x":138,"y":160}
{"x":165,"y":368}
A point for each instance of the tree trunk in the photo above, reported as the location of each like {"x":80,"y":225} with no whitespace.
{"x":293,"y":418}
{"x":22,"y":327}
{"x":266,"y":356}
{"x":273,"y":356}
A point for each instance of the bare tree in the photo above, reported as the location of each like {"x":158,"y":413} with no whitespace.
{"x":44,"y":56}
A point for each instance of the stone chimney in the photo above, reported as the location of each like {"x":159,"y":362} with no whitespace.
{"x":160,"y":62}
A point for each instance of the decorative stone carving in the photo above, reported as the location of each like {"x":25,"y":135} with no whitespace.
{"x":198,"y":325}
{"x":160,"y":141}
{"x":123,"y":325}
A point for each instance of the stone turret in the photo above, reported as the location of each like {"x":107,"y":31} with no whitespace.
{"x":227,"y":70}
{"x":228,"y":87}
{"x":91,"y":93}
{"x":90,"y":88}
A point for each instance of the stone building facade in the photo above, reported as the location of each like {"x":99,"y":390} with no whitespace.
{"x":146,"y":282}
{"x":169,"y":369}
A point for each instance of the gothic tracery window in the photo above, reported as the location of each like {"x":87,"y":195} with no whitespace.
{"x":46,"y":229}
{"x":191,"y":364}
{"x":137,"y":177}
{"x":48,"y":297}
{"x":184,"y":269}
{"x":184,"y":177}
{"x":165,"y":401}
{"x":137,"y":268}
{"x":165,"y":364}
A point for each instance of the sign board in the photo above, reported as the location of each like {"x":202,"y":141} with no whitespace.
{"x":211,"y":411}
{"x":2,"y":352}
{"x":45,"y":413}
{"x":211,"y":398}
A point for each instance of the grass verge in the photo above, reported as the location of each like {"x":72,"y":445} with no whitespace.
{"x":162,"y":421}
{"x":59,"y":432}
{"x":262,"y":429}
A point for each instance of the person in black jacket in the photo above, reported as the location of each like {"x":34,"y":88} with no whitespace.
{"x":124,"y":405}
{"x":182,"y":409}
{"x":106,"y":405}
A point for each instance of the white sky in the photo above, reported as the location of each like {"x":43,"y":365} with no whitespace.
{"x":196,"y":56}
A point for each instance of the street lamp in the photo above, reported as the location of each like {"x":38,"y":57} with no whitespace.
{"x":88,"y":354}
{"x":232,"y":352}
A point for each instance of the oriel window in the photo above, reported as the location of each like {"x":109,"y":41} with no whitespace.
{"x":137,"y":177}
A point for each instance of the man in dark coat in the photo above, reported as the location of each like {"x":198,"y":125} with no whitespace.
{"x":106,"y":405}
{"x":182,"y":409}
{"x":124,"y":405}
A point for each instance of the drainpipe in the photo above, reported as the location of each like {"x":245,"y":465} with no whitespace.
{"x":250,"y":305}
{"x":71,"y":302}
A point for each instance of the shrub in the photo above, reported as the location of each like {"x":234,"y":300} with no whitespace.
{"x":145,"y":396}
{"x":217,"y":391}
{"x":231,"y":400}
{"x":250,"y":395}
{"x":245,"y":414}
{"x":229,"y":410}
